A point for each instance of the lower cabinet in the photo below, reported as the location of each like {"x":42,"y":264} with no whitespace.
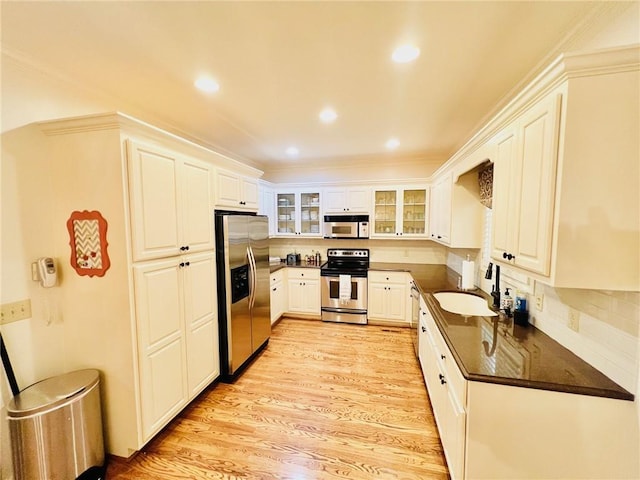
{"x":303,"y":285}
{"x":278,"y":295}
{"x":447,"y":390}
{"x":496,"y":431}
{"x":176,"y":320}
{"x":387,"y":297}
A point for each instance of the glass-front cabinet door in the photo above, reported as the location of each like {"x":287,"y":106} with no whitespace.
{"x":385,"y":212}
{"x":310,"y":220}
{"x":298,"y":213}
{"x":400,"y":212}
{"x":286,"y":213}
{"x":414,"y":209}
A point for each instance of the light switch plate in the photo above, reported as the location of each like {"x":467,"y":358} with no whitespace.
{"x":12,"y":312}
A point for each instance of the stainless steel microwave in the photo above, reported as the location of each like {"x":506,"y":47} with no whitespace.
{"x":346,"y":226}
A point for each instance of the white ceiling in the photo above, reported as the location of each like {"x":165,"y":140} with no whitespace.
{"x":279,"y":63}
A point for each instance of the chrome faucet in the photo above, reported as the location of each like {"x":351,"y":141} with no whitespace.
{"x":495,"y":289}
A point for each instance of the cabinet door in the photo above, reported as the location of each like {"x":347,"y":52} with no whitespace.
{"x":503,"y":177}
{"x":310,"y":217}
{"x":197,"y":211}
{"x":286,"y":213}
{"x":228,"y":189}
{"x":440,"y":211}
{"x":358,"y":199}
{"x":376,"y":300}
{"x":249,"y":193}
{"x":414,"y":212}
{"x":396,"y":302}
{"x":201,"y":320}
{"x":536,"y":192}
{"x":161,"y":342}
{"x":296,"y":295}
{"x":154,"y":196}
{"x":278,"y":301}
{"x":385,"y":210}
{"x":312,"y":297}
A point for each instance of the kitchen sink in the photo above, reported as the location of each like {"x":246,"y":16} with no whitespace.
{"x":466,"y":304}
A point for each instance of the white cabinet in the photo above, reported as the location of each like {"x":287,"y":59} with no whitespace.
{"x":456,"y":214}
{"x":236,"y":191}
{"x":355,"y":200}
{"x":170,"y":199}
{"x":524,"y":188}
{"x":267,"y":206}
{"x":279,"y":300}
{"x":303,"y":285}
{"x":447,"y":391}
{"x":387,"y":297}
{"x":298,"y":213}
{"x":400,"y":212}
{"x":440,"y":211}
{"x":177,"y":329}
{"x":201,"y":320}
{"x":566,"y":174}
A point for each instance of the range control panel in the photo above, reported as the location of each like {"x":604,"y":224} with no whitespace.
{"x":348,"y":252}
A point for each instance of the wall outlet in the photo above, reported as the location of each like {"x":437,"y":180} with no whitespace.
{"x":539,"y":301}
{"x":574,"y":320}
{"x":12,"y":312}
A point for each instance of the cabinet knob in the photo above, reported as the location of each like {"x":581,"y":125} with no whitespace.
{"x":184,"y":247}
{"x":274,"y":289}
{"x":181,"y":264}
{"x":442,"y":380}
{"x":508,"y":256}
{"x":442,"y":356}
{"x":423,"y":329}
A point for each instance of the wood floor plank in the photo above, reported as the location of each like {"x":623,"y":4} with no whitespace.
{"x":324,"y":401}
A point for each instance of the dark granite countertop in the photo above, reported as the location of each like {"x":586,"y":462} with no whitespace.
{"x":274,"y":267}
{"x":495,"y":350}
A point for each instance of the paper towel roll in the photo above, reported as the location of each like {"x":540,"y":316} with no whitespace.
{"x":468,"y":274}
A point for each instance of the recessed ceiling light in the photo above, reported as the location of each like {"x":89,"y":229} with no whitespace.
{"x":405,"y":53}
{"x":207,"y":84}
{"x":328,"y":115}
{"x":292,"y":151}
{"x":392,"y":144}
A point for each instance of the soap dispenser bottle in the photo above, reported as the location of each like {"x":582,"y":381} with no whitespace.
{"x":507,"y":302}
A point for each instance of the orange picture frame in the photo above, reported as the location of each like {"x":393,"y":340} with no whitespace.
{"x":88,"y":242}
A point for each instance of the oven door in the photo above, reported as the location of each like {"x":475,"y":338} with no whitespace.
{"x":331,"y":294}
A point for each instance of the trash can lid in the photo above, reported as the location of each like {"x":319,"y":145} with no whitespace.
{"x":52,"y":391}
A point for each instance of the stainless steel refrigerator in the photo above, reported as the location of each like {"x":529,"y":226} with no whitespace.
{"x":244,"y":316}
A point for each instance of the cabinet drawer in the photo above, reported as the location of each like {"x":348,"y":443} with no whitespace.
{"x":276,"y":277}
{"x":303,"y":273}
{"x":389,"y":277}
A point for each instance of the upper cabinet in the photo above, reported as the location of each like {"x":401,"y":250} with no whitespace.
{"x":353,"y":200}
{"x":298,"y":213}
{"x":170,"y":199}
{"x":236,"y":191}
{"x":566,"y":204}
{"x":524,"y":187}
{"x":400,"y":212}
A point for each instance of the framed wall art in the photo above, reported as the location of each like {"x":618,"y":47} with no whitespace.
{"x":88,"y":241}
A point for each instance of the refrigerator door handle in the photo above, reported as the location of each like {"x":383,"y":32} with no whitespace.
{"x":252,"y":277}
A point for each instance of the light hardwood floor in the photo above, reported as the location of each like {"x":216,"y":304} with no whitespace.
{"x":323,"y":401}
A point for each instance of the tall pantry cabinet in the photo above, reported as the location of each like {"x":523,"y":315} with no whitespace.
{"x":149,"y":324}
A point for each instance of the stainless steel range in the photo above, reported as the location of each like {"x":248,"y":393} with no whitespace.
{"x":344,"y":285}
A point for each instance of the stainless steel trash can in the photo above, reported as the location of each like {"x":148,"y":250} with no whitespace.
{"x":56,"y":428}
